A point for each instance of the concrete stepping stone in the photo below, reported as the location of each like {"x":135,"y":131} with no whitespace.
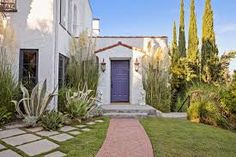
{"x":61,"y":137}
{"x":9,"y":153}
{"x":99,"y":121}
{"x":2,"y":147}
{"x":81,"y":126}
{"x":38,"y":147}
{"x":91,"y":123}
{"x":85,"y":129}
{"x":56,"y":154}
{"x":47,"y":133}
{"x":11,"y":132}
{"x":13,"y":126}
{"x":75,"y":132}
{"x":35,"y":129}
{"x":21,"y":139}
{"x":67,"y":128}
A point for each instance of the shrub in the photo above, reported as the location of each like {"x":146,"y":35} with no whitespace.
{"x":62,"y":99}
{"x":52,"y":120}
{"x":206,"y":106}
{"x":8,"y":84}
{"x":82,"y":67}
{"x":4,"y":116}
{"x":35,"y":104}
{"x":80,"y":103}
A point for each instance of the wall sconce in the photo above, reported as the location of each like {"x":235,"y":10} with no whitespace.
{"x":136,"y":65}
{"x":103,"y":65}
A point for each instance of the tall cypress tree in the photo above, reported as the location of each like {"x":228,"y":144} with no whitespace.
{"x":193,"y":41}
{"x":209,"y":51}
{"x":174,"y":48}
{"x":182,"y":42}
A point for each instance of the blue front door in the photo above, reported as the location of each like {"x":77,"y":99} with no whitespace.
{"x":120,"y":81}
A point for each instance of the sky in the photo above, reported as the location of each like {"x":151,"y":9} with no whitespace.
{"x":156,"y":17}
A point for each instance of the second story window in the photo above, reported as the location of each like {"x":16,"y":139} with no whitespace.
{"x":8,"y":6}
{"x":63,"y":13}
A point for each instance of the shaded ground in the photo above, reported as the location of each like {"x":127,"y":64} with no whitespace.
{"x":175,"y":138}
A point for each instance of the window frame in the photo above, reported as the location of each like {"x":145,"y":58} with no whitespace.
{"x":21,"y":63}
{"x":65,"y":61}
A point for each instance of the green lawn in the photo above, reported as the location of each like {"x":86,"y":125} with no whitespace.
{"x":86,"y":144}
{"x":180,"y":138}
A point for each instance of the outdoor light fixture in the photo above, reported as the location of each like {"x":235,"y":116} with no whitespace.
{"x":103,"y":65}
{"x":136,"y":65}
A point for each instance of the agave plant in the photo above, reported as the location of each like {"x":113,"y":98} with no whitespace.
{"x":80,"y":103}
{"x":35,"y":104}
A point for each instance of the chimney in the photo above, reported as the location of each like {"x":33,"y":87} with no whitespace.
{"x":96,"y":27}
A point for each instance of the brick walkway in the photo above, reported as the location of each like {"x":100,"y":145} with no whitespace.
{"x":126,"y":138}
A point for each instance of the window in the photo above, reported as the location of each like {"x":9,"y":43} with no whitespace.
{"x":63,"y":13}
{"x":8,"y":6}
{"x":75,"y":25}
{"x":29,"y":67}
{"x":69,"y":15}
{"x":63,"y":61}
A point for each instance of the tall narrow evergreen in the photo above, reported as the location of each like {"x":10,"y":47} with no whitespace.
{"x":174,"y":48}
{"x":193,"y":41}
{"x":209,"y":51}
{"x":182,"y":42}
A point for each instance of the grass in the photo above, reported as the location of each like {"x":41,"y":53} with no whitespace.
{"x":86,"y":144}
{"x":180,"y":138}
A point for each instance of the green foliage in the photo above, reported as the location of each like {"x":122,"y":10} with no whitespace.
{"x":5,"y":116}
{"x":35,"y":104}
{"x":208,"y":106}
{"x":52,"y":120}
{"x":209,"y":51}
{"x":182,"y":42}
{"x":62,"y":98}
{"x":193,"y":52}
{"x":82,"y":65}
{"x":8,"y":84}
{"x":80,"y":103}
{"x":156,"y":80}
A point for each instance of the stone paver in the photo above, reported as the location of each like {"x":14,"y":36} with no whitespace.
{"x":56,"y":154}
{"x":99,"y":121}
{"x":9,"y":153}
{"x":91,"y":123}
{"x":21,"y":139}
{"x":35,"y":129}
{"x":47,"y":133}
{"x":67,"y":128}
{"x":11,"y":132}
{"x":85,"y":129}
{"x":38,"y":147}
{"x":61,"y":137}
{"x":126,"y":138}
{"x":13,"y":126}
{"x":2,"y":147}
{"x":75,"y":132}
{"x":80,"y":126}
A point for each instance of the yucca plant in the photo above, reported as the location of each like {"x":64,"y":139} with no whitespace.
{"x":80,"y":103}
{"x":34,"y":105}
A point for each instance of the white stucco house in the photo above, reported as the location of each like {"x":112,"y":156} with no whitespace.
{"x":44,"y":29}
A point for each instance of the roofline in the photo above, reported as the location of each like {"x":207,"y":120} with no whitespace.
{"x":165,"y":37}
{"x":118,"y":44}
{"x":90,"y":5}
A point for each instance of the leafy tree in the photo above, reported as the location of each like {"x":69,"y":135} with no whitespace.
{"x":193,"y":51}
{"x":209,"y":51}
{"x":178,"y":73}
{"x":182,"y":42}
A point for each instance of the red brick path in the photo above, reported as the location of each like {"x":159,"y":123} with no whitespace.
{"x":126,"y":138}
